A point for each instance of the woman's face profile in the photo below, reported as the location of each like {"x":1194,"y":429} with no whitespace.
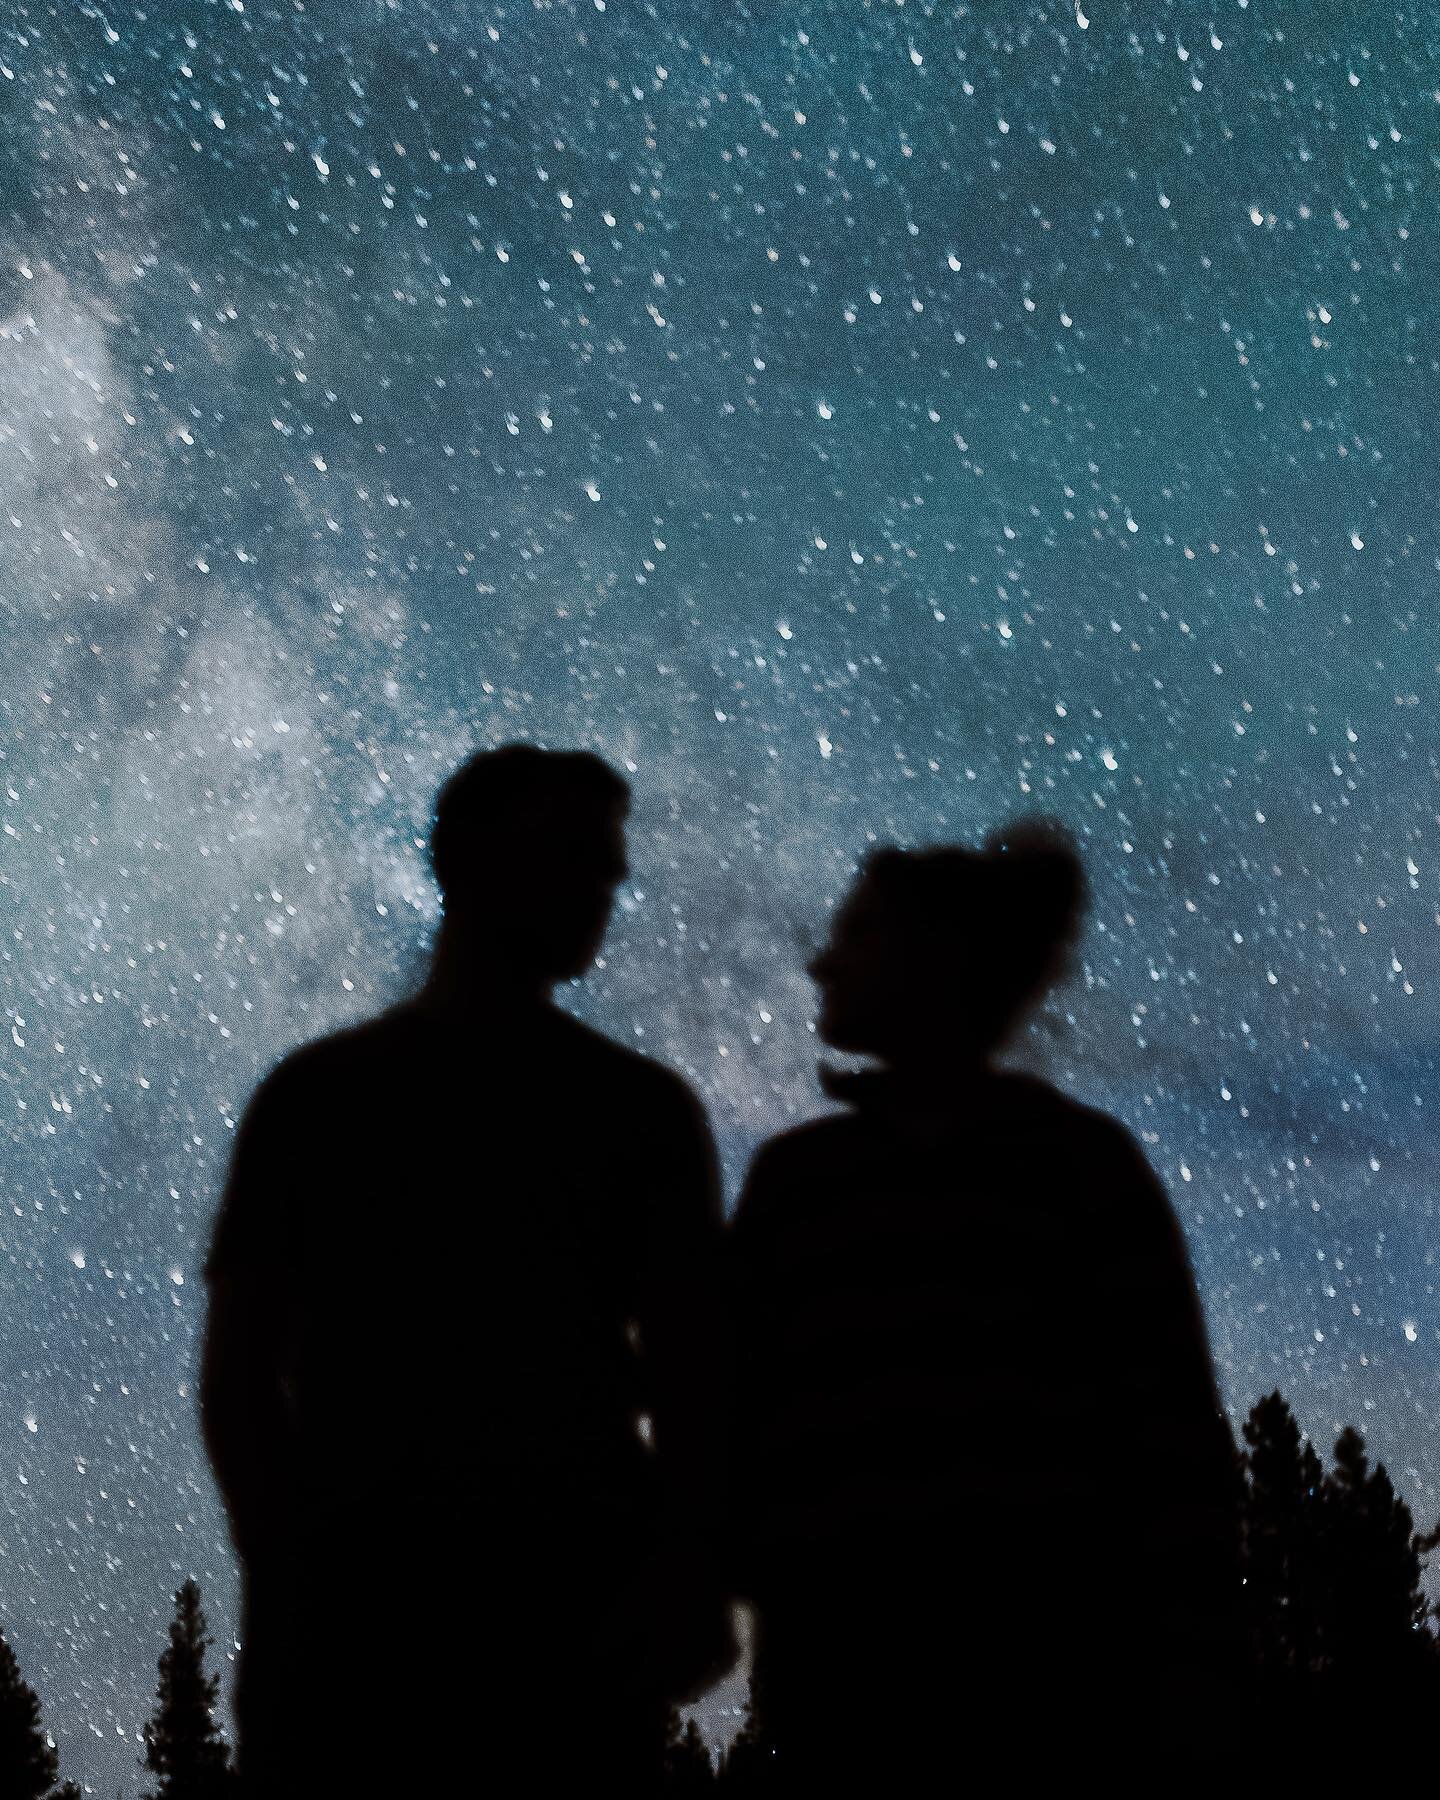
{"x":906,"y":978}
{"x":863,"y":980}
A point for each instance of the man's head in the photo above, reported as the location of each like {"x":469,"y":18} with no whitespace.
{"x":528,"y":847}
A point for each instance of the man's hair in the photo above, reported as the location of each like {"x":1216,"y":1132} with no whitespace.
{"x":518,"y":810}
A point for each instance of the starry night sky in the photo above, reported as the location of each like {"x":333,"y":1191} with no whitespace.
{"x":860,"y":422}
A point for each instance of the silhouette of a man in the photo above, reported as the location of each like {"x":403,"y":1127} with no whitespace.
{"x":462,"y":1367}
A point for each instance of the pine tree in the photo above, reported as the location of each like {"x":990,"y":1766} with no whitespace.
{"x":1282,"y":1536}
{"x":1332,"y":1561}
{"x":1377,"y":1611}
{"x":747,"y":1767}
{"x":28,"y":1764}
{"x":688,"y":1769}
{"x":183,"y":1745}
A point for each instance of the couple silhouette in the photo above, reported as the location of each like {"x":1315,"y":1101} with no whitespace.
{"x":505,"y":1417}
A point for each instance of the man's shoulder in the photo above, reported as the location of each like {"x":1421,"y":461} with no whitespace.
{"x":338,"y":1060}
{"x":316,"y":1057}
{"x":606,"y":1060}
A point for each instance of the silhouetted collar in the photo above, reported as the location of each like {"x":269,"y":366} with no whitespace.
{"x":484,"y":1003}
{"x":467,"y":976}
{"x":949,"y":1096}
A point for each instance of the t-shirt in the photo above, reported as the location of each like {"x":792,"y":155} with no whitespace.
{"x":458,"y":1256}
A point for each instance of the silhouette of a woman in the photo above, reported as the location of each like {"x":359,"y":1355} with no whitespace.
{"x":982,"y":1460}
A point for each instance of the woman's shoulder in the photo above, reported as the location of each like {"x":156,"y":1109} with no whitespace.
{"x":1088,"y":1149}
{"x":807,"y":1156}
{"x":1102,"y":1166}
{"x":1021,"y":1097}
{"x":815,"y":1141}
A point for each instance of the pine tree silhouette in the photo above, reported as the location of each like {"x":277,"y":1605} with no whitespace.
{"x":1282,"y":1532}
{"x":1377,"y":1609}
{"x":28,"y":1765}
{"x":748,"y":1765}
{"x":688,"y":1769}
{"x":1333,"y":1563}
{"x":183,"y":1745}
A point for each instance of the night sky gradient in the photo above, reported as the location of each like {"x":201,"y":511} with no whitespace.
{"x":859,"y":422}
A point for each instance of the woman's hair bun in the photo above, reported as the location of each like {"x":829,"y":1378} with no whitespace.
{"x":1039,"y":865}
{"x":1036,"y":836}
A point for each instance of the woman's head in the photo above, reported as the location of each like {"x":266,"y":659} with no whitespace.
{"x":941,"y":952}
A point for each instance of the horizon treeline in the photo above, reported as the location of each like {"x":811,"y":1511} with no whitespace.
{"x":1331,"y":1566}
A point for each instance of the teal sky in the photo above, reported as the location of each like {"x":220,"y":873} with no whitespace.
{"x":861,"y":423}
